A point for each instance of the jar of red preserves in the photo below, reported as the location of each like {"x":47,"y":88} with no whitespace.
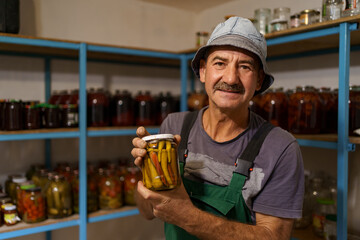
{"x":50,"y":116}
{"x":164,"y":104}
{"x":197,"y":100}
{"x":13,"y":115}
{"x":275,"y":107}
{"x":144,"y":109}
{"x":34,"y":206}
{"x":329,"y":110}
{"x":122,"y":109}
{"x":130,"y":182}
{"x":92,"y":192}
{"x":304,"y":112}
{"x":70,"y":110}
{"x":2,"y":114}
{"x":110,"y":190}
{"x":354,"y":109}
{"x":32,"y":117}
{"x":98,"y":108}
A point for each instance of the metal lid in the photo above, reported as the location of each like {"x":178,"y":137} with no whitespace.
{"x":9,"y":207}
{"x":158,"y":137}
{"x":19,"y":179}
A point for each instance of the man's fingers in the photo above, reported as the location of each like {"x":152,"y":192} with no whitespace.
{"x":141,"y":132}
{"x":177,"y":139}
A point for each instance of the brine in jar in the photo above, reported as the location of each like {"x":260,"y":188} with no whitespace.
{"x":160,"y":169}
{"x":58,"y":197}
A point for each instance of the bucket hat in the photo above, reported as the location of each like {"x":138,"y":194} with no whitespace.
{"x":241,"y":33}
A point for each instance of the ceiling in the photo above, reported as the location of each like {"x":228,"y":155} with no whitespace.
{"x":189,"y":5}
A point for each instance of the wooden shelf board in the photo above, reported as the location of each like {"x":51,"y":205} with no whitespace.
{"x":106,"y":212}
{"x":22,"y":225}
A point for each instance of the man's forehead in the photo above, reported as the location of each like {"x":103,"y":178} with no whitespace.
{"x":223,"y":50}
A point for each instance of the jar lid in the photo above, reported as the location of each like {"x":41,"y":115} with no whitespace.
{"x":9,"y":207}
{"x":19,"y":179}
{"x":27,"y":186}
{"x":278,"y":20}
{"x":158,"y":137}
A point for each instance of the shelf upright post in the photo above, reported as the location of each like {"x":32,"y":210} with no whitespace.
{"x":82,"y":142}
{"x":343,"y":130}
{"x":184,"y":82}
{"x":47,"y":141}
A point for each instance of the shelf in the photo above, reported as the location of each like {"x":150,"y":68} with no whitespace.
{"x":22,"y":229}
{"x":39,"y":134}
{"x":104,"y":215}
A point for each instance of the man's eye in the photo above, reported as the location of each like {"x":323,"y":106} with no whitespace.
{"x":219,"y":64}
{"x":245,"y":67}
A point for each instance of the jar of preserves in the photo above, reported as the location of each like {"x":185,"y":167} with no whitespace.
{"x":333,"y":9}
{"x":354,"y":109}
{"x":14,"y":187}
{"x":145,"y":115}
{"x":50,"y":115}
{"x":307,"y":17}
{"x":110,"y":190}
{"x":92,"y":192}
{"x":275,"y":107}
{"x":278,"y":25}
{"x":34,"y":207}
{"x":351,"y":8}
{"x":70,"y":110}
{"x":40,"y":178}
{"x":304,"y":112}
{"x":98,"y":108}
{"x":295,"y":20}
{"x":130,"y":182}
{"x":330,"y":232}
{"x":197,"y":100}
{"x":10,"y":214}
{"x":63,"y":97}
{"x":13,"y":115}
{"x":160,"y":168}
{"x":32,"y":118}
{"x":122,"y":109}
{"x":3,"y":200}
{"x":323,"y":208}
{"x":329,"y":111}
{"x":9,"y":183}
{"x":20,"y":192}
{"x":32,"y":170}
{"x":263,"y":18}
{"x":2,"y":114}
{"x":58,"y":197}
{"x":54,"y":98}
{"x":165,"y":104}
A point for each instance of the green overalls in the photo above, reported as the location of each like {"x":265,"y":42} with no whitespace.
{"x":226,"y":201}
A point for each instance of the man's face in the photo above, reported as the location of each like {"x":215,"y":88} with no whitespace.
{"x":231,"y":76}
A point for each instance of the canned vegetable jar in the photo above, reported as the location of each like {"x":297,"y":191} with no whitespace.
{"x":160,"y":168}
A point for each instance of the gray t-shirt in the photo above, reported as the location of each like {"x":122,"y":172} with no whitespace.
{"x":276,"y":184}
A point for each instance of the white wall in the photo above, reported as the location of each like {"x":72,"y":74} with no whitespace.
{"x":138,"y":24}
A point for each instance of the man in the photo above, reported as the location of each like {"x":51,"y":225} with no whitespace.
{"x":242,"y":177}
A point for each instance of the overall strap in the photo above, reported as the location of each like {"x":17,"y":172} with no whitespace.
{"x":245,"y":162}
{"x":185,"y":131}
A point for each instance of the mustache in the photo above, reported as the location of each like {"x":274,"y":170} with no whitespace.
{"x":228,"y":87}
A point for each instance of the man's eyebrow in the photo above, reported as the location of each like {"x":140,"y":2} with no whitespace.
{"x":219,"y":58}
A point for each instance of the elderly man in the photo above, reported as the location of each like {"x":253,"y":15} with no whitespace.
{"x":242,"y":178}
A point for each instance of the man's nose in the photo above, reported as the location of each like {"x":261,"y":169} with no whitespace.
{"x":231,"y":75}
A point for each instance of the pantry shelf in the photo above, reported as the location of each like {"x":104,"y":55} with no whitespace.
{"x":116,"y":131}
{"x":39,"y":134}
{"x":104,"y":215}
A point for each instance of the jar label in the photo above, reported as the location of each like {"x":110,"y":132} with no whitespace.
{"x":10,"y":218}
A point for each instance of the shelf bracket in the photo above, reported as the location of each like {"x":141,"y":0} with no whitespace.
{"x":351,"y":147}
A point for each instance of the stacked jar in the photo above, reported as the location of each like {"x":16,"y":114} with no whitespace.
{"x":145,"y":110}
{"x":275,"y":107}
{"x":122,"y":109}
{"x":98,"y":108}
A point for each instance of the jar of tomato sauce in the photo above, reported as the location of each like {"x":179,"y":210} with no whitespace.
{"x":110,"y":190}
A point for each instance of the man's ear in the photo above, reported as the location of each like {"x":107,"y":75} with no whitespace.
{"x":260,"y":80}
{"x":202,"y":70}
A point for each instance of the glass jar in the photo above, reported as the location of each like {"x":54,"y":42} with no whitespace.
{"x":92,"y":192}
{"x":50,"y":115}
{"x":333,"y":10}
{"x":275,"y":107}
{"x":55,"y":95}
{"x":122,"y":109}
{"x":354,"y":109}
{"x":263,"y":18}
{"x":110,"y":191}
{"x":330,"y":232}
{"x":34,"y":206}
{"x":145,"y":115}
{"x":329,"y":111}
{"x":3,"y":200}
{"x":10,"y":214}
{"x":32,"y":170}
{"x":304,"y":112}
{"x":98,"y":108}
{"x":197,"y":100}
{"x":160,"y":168}
{"x":130,"y":182}
{"x":20,"y":193}
{"x":295,"y":20}
{"x":323,"y":208}
{"x":282,"y":13}
{"x":307,"y":17}
{"x":165,"y":104}
{"x":70,"y":110}
{"x":14,"y":186}
{"x":32,"y":118}
{"x":40,"y":178}
{"x":2,"y":114}
{"x":58,"y":197}
{"x":278,"y":25}
{"x":13,"y":115}
{"x":9,"y":184}
{"x":351,"y":8}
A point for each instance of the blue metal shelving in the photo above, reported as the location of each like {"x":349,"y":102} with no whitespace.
{"x":342,"y":145}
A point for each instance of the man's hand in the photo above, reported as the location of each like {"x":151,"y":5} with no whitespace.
{"x":139,"y":152}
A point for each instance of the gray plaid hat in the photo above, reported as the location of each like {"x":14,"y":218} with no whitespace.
{"x":238,"y":32}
